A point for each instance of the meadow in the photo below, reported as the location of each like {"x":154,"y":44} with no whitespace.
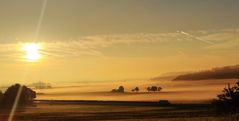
{"x":116,"y":110}
{"x":190,"y":101}
{"x":174,"y":91}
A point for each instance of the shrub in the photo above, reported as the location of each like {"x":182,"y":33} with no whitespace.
{"x":120,"y":89}
{"x":228,"y":101}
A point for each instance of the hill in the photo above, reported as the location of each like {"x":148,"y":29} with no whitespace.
{"x":227,"y":72}
{"x":168,"y":76}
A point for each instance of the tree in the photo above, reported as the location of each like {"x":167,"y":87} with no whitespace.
{"x":26,"y":96}
{"x":159,"y":88}
{"x":154,"y":88}
{"x":1,"y":97}
{"x":120,"y":89}
{"x":228,"y":101}
{"x":136,"y":89}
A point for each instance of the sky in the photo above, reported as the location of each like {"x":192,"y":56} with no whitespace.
{"x":109,"y":40}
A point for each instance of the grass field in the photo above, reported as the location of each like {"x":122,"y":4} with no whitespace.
{"x":63,"y":103}
{"x":115,"y":110}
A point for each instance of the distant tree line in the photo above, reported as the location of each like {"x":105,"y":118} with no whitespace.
{"x":42,"y":85}
{"x":26,"y":96}
{"x":227,"y":72}
{"x":154,"y":88}
{"x":121,"y":89}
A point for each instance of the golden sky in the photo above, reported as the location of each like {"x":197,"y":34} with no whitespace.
{"x":101,"y":40}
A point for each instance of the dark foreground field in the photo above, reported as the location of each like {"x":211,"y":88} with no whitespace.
{"x":114,"y":110}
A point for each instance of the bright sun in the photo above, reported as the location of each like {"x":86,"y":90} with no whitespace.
{"x":32,"y":51}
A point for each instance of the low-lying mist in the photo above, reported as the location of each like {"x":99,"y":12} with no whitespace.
{"x":174,"y":91}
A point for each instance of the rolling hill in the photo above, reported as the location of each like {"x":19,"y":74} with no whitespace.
{"x":227,"y":72}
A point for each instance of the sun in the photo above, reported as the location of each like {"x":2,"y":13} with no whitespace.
{"x":32,"y":51}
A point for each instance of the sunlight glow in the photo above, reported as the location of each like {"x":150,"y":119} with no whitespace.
{"x":32,"y":51}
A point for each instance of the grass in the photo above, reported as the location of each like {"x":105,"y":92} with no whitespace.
{"x":120,"y":111}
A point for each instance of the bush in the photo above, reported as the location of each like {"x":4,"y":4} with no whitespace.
{"x":26,"y":96}
{"x":120,"y":89}
{"x":154,"y":88}
{"x":228,"y":101}
{"x":136,"y":89}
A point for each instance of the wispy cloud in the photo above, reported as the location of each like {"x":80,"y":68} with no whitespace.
{"x":197,"y":38}
{"x":227,"y":45}
{"x":223,"y":40}
{"x":93,"y":45}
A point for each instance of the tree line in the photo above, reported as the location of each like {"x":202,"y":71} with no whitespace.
{"x":121,"y":89}
{"x":226,"y":102}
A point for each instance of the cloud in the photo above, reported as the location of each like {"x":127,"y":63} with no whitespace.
{"x":93,"y":45}
{"x":197,"y":38}
{"x":9,"y":50}
{"x":223,"y":39}
{"x":227,"y":45}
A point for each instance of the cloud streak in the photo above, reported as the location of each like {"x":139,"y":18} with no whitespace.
{"x":93,"y":45}
{"x":197,"y":38}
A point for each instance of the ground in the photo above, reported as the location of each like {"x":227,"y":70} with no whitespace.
{"x":121,"y":111}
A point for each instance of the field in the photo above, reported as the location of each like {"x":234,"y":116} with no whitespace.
{"x":115,"y":110}
{"x":88,"y":102}
{"x":174,"y":91}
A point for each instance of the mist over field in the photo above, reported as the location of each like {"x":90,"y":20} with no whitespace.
{"x":175,"y":91}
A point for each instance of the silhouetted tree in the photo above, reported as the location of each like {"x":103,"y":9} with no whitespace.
{"x":159,"y":88}
{"x":228,"y":101}
{"x":136,"y":89}
{"x":120,"y":89}
{"x":1,"y":97}
{"x":154,"y":88}
{"x":26,"y":96}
